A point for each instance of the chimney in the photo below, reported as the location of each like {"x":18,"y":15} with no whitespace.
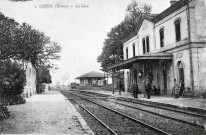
{"x":172,"y":2}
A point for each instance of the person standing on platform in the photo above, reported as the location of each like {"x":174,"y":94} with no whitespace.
{"x":148,"y":88}
{"x":182,"y":87}
{"x":135,"y":90}
{"x":176,"y":89}
{"x":120,"y":87}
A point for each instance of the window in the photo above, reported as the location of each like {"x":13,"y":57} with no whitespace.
{"x":133,"y":49}
{"x":127,"y":53}
{"x":144,"y":47}
{"x":147,"y":41}
{"x":177,"y":30}
{"x":161,"y":37}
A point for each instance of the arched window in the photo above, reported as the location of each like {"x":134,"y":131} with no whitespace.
{"x":161,"y":37}
{"x":181,"y":71}
{"x":178,"y":30}
{"x":143,"y":44}
{"x":133,"y":49}
{"x":127,"y":53}
{"x":147,"y":41}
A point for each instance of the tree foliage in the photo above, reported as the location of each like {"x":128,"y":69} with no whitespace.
{"x":7,"y":26}
{"x":112,"y":51}
{"x":43,"y":75}
{"x":23,"y":42}
{"x":12,"y":78}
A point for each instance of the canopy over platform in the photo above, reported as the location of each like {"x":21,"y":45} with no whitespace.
{"x":151,"y":56}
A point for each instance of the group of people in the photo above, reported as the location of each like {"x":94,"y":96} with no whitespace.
{"x":148,"y":89}
{"x":178,"y":89}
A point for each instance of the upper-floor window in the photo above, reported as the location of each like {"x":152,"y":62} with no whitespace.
{"x":177,"y":30}
{"x":143,"y":44}
{"x":127,"y":53}
{"x":133,"y":49}
{"x":147,"y":41}
{"x":161,"y":37}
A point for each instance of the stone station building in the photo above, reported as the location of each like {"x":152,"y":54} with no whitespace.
{"x":171,"y":45}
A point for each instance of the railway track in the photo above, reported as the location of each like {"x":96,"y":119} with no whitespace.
{"x":174,"y":121}
{"x":181,"y":110}
{"x":170,"y":113}
{"x":116,"y":122}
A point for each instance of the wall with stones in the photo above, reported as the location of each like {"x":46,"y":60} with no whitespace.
{"x":30,"y":87}
{"x":198,"y":20}
{"x":199,"y":70}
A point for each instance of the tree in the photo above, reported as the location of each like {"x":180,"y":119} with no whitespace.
{"x":112,"y":51}
{"x":7,"y":25}
{"x":12,"y":78}
{"x":22,"y":42}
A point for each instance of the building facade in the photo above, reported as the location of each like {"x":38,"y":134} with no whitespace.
{"x":30,"y":87}
{"x":171,"y":45}
{"x":91,"y":80}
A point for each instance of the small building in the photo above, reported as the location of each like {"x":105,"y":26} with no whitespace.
{"x":91,"y":80}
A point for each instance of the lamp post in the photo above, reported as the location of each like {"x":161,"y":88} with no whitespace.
{"x":113,"y":71}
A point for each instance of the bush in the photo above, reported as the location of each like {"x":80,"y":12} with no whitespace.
{"x":12,"y":81}
{"x":4,"y":113}
{"x":12,"y":100}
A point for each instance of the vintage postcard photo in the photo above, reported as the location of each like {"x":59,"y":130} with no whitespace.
{"x":103,"y":67}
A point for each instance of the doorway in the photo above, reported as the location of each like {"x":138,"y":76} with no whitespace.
{"x":181,"y":71}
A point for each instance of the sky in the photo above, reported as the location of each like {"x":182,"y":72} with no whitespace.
{"x":78,"y":26}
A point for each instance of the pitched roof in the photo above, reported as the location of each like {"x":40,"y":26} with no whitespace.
{"x":91,"y":74}
{"x":134,"y":33}
{"x":170,"y":10}
{"x":149,"y":17}
{"x":139,"y":24}
{"x":130,"y":36}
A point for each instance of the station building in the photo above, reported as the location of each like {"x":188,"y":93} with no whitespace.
{"x":91,"y":80}
{"x":168,"y":46}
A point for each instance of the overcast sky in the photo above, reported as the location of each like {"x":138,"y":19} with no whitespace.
{"x":79,"y":30}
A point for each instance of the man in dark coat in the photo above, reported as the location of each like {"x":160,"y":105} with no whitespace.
{"x":135,"y":90}
{"x":182,"y":87}
{"x":148,"y":88}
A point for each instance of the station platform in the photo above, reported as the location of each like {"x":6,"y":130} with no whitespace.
{"x":47,"y":113}
{"x":191,"y":104}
